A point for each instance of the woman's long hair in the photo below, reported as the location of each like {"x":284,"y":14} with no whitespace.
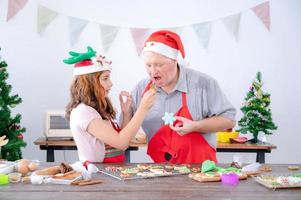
{"x":88,"y":90}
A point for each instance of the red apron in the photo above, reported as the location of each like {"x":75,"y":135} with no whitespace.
{"x":168,"y":146}
{"x":114,"y":155}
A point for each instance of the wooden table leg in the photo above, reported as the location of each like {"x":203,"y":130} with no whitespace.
{"x":50,"y":155}
{"x":260,"y":157}
{"x":127,"y":156}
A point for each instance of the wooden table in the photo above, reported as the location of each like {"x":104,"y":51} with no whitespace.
{"x":50,"y":145}
{"x":259,"y":149}
{"x":163,"y":188}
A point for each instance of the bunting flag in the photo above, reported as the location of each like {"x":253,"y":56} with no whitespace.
{"x":139,"y":36}
{"x":76,"y":27}
{"x":14,"y":6}
{"x":203,"y":31}
{"x":45,"y":17}
{"x":232,"y":24}
{"x":262,"y":11}
{"x":108,"y":35}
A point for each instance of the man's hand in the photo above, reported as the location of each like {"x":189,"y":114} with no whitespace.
{"x":207,"y":125}
{"x":183,"y":125}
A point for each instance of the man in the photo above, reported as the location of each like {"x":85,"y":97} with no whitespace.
{"x":200,"y":107}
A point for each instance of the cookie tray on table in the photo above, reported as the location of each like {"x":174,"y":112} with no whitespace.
{"x":280,"y":181}
{"x":148,"y":170}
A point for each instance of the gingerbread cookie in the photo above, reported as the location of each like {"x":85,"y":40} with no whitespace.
{"x":153,"y":87}
{"x":293,"y":167}
{"x":265,"y":168}
{"x":205,"y":177}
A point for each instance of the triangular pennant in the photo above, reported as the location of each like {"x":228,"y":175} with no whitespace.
{"x":232,"y":24}
{"x":139,"y":36}
{"x":108,"y":35}
{"x":203,"y":31}
{"x":76,"y":27}
{"x":45,"y":17}
{"x":262,"y":11}
{"x":14,"y":6}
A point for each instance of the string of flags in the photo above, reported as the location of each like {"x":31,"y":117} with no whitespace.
{"x":108,"y":33}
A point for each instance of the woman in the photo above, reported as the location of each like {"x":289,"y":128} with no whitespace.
{"x":91,"y":113}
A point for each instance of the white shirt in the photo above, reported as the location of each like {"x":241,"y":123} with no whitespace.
{"x":89,"y":147}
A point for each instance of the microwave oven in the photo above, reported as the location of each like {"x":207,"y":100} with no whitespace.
{"x":57,"y":126}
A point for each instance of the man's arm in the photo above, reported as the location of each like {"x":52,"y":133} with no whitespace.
{"x":213,"y":124}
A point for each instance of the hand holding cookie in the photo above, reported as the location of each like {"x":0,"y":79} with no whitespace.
{"x":125,"y":99}
{"x":153,"y":87}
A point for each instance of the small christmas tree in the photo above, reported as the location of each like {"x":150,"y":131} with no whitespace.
{"x":257,"y":114}
{"x":9,"y":125}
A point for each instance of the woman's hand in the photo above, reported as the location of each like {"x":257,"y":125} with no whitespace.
{"x":148,"y":99}
{"x":125,"y":105}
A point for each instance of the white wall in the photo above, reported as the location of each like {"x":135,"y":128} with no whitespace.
{"x":42,"y":80}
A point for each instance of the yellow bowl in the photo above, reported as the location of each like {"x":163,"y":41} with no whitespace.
{"x":224,"y":137}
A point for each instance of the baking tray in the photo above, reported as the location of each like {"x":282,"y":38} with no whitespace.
{"x":273,"y":184}
{"x":144,"y":170}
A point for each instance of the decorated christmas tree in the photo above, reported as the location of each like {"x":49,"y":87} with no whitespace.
{"x":10,"y":128}
{"x":257,"y":116}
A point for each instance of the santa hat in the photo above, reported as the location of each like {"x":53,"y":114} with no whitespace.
{"x":166,"y":43}
{"x":89,"y":62}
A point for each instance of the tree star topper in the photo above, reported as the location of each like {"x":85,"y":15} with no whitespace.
{"x":168,"y":118}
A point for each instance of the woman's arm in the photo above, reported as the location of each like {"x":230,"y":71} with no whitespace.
{"x":105,"y":132}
